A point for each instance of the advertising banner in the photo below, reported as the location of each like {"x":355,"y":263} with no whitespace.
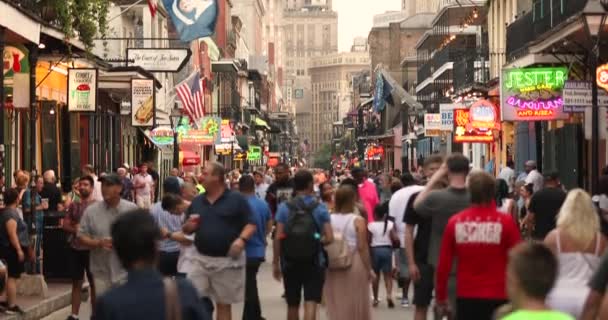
{"x":432,"y":125}
{"x":142,"y":102}
{"x":82,"y":90}
{"x":533,"y":94}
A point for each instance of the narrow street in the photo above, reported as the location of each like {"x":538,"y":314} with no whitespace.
{"x":273,"y":306}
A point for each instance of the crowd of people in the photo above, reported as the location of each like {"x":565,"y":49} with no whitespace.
{"x":456,"y":241}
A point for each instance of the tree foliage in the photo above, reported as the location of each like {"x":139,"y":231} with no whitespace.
{"x":322,"y":158}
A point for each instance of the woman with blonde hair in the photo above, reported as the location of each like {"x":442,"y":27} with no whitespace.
{"x":347,"y":291}
{"x":578,"y":246}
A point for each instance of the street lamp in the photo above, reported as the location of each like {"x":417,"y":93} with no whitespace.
{"x":176,"y":118}
{"x":594,"y":17}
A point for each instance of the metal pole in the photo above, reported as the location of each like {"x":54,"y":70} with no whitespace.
{"x":594,"y":125}
{"x":175,"y":149}
{"x":2,"y":105}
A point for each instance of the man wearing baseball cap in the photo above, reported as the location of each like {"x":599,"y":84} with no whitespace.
{"x":94,"y":233}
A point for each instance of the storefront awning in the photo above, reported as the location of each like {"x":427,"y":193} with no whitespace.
{"x":120,"y":77}
{"x":189,"y":158}
{"x":403,"y":96}
{"x":261,"y":123}
{"x":162,"y":147}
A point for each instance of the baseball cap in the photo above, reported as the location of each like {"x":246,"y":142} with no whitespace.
{"x":172,"y":185}
{"x":111,"y":179}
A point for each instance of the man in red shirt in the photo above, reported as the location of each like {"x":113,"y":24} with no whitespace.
{"x":480,"y":238}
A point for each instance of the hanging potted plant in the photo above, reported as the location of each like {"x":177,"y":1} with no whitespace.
{"x":84,"y":19}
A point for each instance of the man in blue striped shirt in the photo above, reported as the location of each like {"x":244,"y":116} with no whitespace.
{"x":168,"y":214}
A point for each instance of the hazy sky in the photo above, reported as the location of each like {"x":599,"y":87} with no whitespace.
{"x":355,"y":18}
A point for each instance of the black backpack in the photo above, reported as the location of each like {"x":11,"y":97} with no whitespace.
{"x":301,"y":241}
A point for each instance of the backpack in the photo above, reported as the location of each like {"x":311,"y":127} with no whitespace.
{"x":301,"y":240}
{"x":339,"y":255}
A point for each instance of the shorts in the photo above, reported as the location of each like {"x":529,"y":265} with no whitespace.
{"x":309,"y":278}
{"x":482,"y":309}
{"x":167,"y":263}
{"x":423,"y":288}
{"x":14,"y":266}
{"x":143,"y":202}
{"x":404,"y":272}
{"x":222,"y":279}
{"x":382,"y":259}
{"x":78,"y":261}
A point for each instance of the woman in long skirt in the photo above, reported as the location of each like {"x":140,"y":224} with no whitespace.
{"x":347,"y":292}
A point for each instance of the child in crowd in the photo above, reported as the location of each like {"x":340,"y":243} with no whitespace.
{"x":382,"y":235}
{"x":531,"y":273}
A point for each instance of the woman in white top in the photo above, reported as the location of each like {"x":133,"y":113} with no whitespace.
{"x":578,"y":245}
{"x":382,"y":234}
{"x":346,"y":291}
{"x":504,"y":203}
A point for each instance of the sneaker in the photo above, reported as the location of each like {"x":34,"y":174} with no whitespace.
{"x":14,"y":310}
{"x":405,"y":302}
{"x":375,"y":303}
{"x":71,"y":317}
{"x":390,"y":303}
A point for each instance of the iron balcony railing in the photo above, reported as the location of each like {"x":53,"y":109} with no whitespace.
{"x":471,"y":69}
{"x":425,"y":71}
{"x":544,"y":17}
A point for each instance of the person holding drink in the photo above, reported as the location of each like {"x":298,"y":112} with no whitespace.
{"x":222,"y":222}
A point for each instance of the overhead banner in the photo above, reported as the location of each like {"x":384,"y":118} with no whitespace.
{"x":142,"y":102}
{"x":533,"y":94}
{"x":158,"y":59}
{"x":193,"y":19}
{"x":432,"y":125}
{"x":477,"y":123}
{"x":82,"y":89}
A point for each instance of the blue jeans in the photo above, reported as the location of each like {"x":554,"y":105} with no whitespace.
{"x":39,"y":223}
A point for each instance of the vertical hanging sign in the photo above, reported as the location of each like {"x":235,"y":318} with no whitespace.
{"x":82,"y":89}
{"x":142,"y":102}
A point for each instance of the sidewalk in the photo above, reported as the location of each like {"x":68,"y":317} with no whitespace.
{"x":59,"y":296}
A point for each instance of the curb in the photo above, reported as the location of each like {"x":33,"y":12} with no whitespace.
{"x":47,"y":306}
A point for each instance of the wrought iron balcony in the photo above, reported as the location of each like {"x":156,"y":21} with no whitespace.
{"x":544,"y":16}
{"x":424,"y":71}
{"x":471,"y":69}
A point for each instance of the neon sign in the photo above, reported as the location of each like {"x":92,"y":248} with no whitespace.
{"x":602,"y":76}
{"x":477,"y":123}
{"x":531,"y":94}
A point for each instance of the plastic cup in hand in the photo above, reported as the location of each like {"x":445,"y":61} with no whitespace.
{"x":195,"y":218}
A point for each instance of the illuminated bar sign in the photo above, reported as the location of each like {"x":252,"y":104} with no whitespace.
{"x":477,"y":123}
{"x":532,"y":94}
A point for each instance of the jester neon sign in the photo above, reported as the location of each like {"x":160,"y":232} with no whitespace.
{"x":533,"y":93}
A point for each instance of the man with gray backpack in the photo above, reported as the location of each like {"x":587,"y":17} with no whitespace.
{"x":303,"y":228}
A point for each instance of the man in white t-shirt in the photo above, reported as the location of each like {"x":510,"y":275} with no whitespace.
{"x":508,"y":175}
{"x":534,"y":177}
{"x":396,"y":209}
{"x":144,"y":188}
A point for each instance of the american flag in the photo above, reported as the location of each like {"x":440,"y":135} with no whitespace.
{"x":153,"y":5}
{"x":191,"y":93}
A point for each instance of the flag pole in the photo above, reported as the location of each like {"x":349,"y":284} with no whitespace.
{"x":126,"y":9}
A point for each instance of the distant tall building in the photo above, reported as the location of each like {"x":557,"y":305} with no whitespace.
{"x":251,"y":13}
{"x":332,"y":92}
{"x":307,"y":4}
{"x":359,"y":45}
{"x":308,"y":32}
